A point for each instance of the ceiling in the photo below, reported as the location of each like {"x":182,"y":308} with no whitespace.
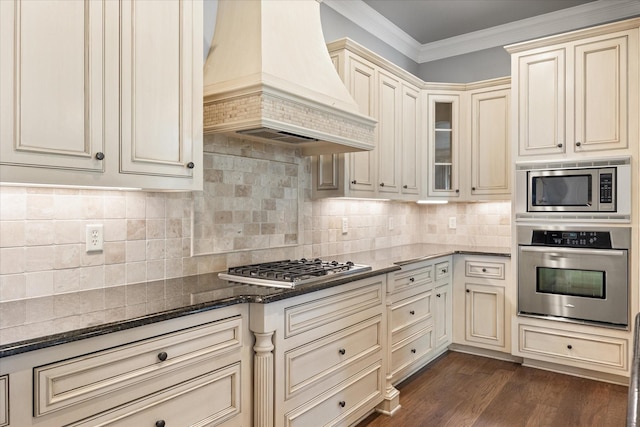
{"x":428,"y":30}
{"x":428,"y":21}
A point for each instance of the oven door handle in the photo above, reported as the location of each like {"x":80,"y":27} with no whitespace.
{"x":573,"y":251}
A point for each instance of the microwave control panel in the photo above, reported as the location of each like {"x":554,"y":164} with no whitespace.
{"x":572,"y":239}
{"x":606,"y":188}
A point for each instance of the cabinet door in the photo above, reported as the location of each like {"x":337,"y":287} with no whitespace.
{"x":410,"y":142}
{"x":442,"y":324}
{"x":541,"y":102}
{"x":490,"y":143}
{"x":160,"y":90}
{"x":52,"y":85}
{"x":603,"y":69}
{"x":361,"y":84}
{"x":485,"y":315}
{"x":389,"y":127}
{"x":444,"y":124}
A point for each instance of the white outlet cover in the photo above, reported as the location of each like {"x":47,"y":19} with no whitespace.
{"x":94,"y":237}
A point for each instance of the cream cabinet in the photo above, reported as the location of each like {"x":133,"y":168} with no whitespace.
{"x":489,"y":167}
{"x":112,"y":98}
{"x":482,"y":297}
{"x":576,"y":94}
{"x":319,"y":357}
{"x":4,"y":400}
{"x":445,"y":124}
{"x":419,"y":316}
{"x":163,"y":373}
{"x":393,"y":97}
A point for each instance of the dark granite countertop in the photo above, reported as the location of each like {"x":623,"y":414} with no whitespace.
{"x":207,"y":292}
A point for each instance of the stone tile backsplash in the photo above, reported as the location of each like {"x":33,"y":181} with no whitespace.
{"x":147,"y":235}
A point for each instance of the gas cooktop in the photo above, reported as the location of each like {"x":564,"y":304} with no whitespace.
{"x":290,"y":273}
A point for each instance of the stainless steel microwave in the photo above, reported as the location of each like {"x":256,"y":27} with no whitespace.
{"x":594,"y":188}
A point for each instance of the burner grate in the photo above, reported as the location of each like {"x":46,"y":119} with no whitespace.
{"x":290,"y":270}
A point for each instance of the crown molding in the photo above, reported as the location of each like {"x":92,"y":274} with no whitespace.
{"x":564,"y":20}
{"x":373,"y":22}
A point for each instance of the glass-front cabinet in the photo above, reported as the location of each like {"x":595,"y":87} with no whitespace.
{"x":444,"y":122}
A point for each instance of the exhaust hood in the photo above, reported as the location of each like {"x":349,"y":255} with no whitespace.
{"x":269,"y":77}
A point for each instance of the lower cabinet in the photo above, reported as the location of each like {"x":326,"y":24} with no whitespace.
{"x":482,"y":299}
{"x":158,"y":374}
{"x":419,"y":315}
{"x":319,"y":358}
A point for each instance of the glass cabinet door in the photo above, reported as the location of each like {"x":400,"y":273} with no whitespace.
{"x":443,"y":140}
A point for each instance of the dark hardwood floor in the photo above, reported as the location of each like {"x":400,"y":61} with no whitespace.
{"x":464,"y":390}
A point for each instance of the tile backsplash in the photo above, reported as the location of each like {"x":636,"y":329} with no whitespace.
{"x":148,"y":235}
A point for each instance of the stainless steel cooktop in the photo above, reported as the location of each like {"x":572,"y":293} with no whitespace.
{"x":290,"y":273}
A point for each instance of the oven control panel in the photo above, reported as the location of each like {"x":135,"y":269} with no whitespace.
{"x":572,"y":239}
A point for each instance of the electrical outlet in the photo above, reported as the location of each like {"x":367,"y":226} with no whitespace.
{"x":452,"y":222}
{"x":94,"y":237}
{"x":345,"y":225}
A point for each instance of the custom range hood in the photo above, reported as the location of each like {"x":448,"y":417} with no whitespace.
{"x":269,"y":77}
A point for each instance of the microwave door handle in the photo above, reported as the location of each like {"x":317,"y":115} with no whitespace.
{"x":556,"y":253}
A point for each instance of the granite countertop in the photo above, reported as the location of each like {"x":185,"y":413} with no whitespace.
{"x":207,"y":292}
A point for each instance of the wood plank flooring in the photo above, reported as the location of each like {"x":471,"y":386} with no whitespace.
{"x":464,"y":390}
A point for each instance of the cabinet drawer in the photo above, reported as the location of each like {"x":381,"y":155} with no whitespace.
{"x":405,"y":352}
{"x":411,"y":311}
{"x":321,"y":359}
{"x":4,"y":400}
{"x":313,"y":314}
{"x":102,"y":380}
{"x":486,"y":270}
{"x":442,"y":270}
{"x":590,"y":349}
{"x":212,"y":399}
{"x":343,"y":404}
{"x":410,"y":277}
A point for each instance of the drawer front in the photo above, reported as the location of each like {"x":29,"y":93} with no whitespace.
{"x":322,"y":359}
{"x":303,"y":317}
{"x":410,"y":311}
{"x":107,"y":378}
{"x":212,"y":399}
{"x":344,"y":404}
{"x":443,"y":270}
{"x":4,"y":400}
{"x":591,"y":349}
{"x":485,"y":270}
{"x":410,"y":277}
{"x":405,"y":352}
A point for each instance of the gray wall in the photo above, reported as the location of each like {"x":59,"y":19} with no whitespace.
{"x":471,"y":67}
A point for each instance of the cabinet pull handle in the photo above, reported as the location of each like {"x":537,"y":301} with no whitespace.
{"x":191,"y":165}
{"x":413,"y":350}
{"x":468,"y":291}
{"x":443,"y":271}
{"x":438,"y":295}
{"x":160,"y":423}
{"x":342,"y":351}
{"x":163,"y":356}
{"x":560,"y":145}
{"x":405,"y":186}
{"x":473,"y":188}
{"x":412,"y":279}
{"x":382,"y":184}
{"x":100,"y":155}
{"x":342,"y":403}
{"x":354,"y":182}
{"x":484,"y":270}
{"x":569,"y":346}
{"x":578,"y":144}
{"x":457,"y":190}
{"x":412,"y":312}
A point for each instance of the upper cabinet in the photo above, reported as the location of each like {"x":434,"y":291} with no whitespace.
{"x":574,"y":93}
{"x":393,"y":97}
{"x":111,"y":98}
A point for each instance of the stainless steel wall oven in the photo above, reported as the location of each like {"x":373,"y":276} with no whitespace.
{"x":574,"y":273}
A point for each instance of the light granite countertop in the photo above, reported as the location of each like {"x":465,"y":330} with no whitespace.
{"x":194,"y":294}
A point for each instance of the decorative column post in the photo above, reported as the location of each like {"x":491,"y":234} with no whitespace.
{"x":391,"y":402}
{"x":263,"y":380}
